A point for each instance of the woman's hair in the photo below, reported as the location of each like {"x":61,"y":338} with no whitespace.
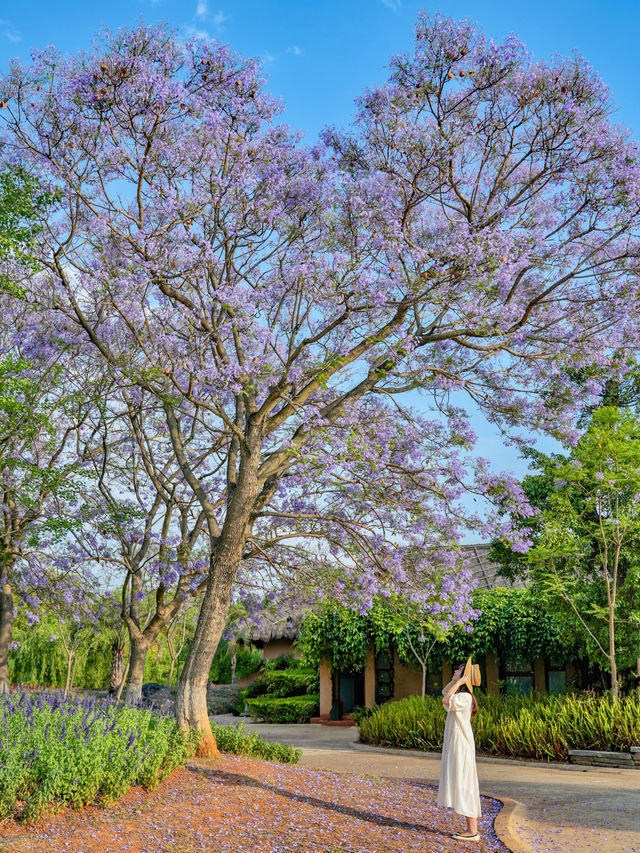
{"x":474,"y":705}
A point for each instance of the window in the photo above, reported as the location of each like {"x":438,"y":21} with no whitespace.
{"x":517,"y":675}
{"x":384,"y":676}
{"x":434,"y":683}
{"x":556,"y":676}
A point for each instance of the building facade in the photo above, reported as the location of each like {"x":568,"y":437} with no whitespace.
{"x":385,"y":677}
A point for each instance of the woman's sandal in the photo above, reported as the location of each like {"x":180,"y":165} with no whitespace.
{"x":475,"y":837}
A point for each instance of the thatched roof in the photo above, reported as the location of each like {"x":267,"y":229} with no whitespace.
{"x":286,"y":624}
{"x":485,"y":572}
{"x":283,"y":626}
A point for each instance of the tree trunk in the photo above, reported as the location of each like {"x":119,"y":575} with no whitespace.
{"x":67,"y":682}
{"x":117,"y":668}
{"x":234,"y":660}
{"x":122,"y":683}
{"x":137,"y":658}
{"x":612,"y":654}
{"x":170,"y":676}
{"x":424,"y":679}
{"x":191,"y":698}
{"x":225,"y":558}
{"x":6,"y":631}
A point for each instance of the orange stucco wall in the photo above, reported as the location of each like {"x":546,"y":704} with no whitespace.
{"x":275,"y":648}
{"x":370,"y":680}
{"x":406,"y":681}
{"x":325,"y":688}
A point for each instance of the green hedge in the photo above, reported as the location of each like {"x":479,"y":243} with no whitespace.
{"x":285,"y":682}
{"x":292,"y":709}
{"x":237,"y":740}
{"x":542,"y":727}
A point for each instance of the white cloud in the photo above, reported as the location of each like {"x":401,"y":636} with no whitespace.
{"x":202,"y":9}
{"x":394,"y":5}
{"x":268,"y":57}
{"x":294,"y":50}
{"x":9,"y":31}
{"x":218,"y":19}
{"x":190,"y":30}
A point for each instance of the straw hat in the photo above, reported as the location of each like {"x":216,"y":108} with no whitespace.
{"x":471,"y":675}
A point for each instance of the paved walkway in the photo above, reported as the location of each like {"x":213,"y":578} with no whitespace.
{"x":566,"y":807}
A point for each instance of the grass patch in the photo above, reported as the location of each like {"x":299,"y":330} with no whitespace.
{"x":237,"y":740}
{"x":541,"y":726}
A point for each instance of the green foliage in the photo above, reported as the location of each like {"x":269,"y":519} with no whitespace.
{"x":511,"y":621}
{"x":584,"y":560}
{"x":284,"y":692}
{"x":285,"y":682}
{"x":247,"y":662}
{"x":20,"y":200}
{"x":237,"y":740}
{"x":40,"y":661}
{"x":71,"y":753}
{"x":336,"y":634}
{"x":541,"y":726}
{"x":292,"y":709}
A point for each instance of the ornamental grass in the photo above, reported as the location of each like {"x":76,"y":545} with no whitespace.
{"x":540,"y":726}
{"x":57,"y":751}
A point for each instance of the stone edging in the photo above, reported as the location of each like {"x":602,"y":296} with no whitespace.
{"x":504,"y":823}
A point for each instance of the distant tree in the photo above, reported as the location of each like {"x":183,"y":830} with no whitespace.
{"x":592,"y":522}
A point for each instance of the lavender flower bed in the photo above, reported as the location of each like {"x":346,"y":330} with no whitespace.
{"x":56,"y":751}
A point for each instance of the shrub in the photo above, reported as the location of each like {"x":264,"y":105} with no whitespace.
{"x":247,"y":662}
{"x":56,"y":751}
{"x":361,"y":712}
{"x":540,"y":726}
{"x":284,"y":682}
{"x":238,"y":740}
{"x":291,"y":682}
{"x":292,"y":709}
{"x":283,"y":661}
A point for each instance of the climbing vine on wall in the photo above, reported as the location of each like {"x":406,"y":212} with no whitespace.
{"x":511,"y":621}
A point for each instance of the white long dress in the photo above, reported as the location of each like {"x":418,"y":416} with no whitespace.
{"x":459,"y":787}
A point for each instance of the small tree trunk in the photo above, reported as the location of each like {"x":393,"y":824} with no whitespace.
{"x":612,"y":654}
{"x":424,"y":679}
{"x":122,"y":683}
{"x":137,"y":658}
{"x":234,"y":660}
{"x":117,"y":668}
{"x":6,"y":631}
{"x":67,"y":683}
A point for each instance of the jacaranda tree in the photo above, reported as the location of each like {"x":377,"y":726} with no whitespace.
{"x":140,"y":520}
{"x":474,"y":233}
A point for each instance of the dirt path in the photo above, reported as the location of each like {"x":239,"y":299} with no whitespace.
{"x":237,"y":805}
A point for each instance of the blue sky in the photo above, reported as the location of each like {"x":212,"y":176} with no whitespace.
{"x":320,"y":55}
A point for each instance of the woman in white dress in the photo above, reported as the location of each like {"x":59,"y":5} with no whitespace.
{"x":459,"y":787}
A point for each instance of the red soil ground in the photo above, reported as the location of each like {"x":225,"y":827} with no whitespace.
{"x":239,"y":805}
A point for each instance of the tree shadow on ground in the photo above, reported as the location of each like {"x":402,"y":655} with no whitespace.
{"x":240,"y":779}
